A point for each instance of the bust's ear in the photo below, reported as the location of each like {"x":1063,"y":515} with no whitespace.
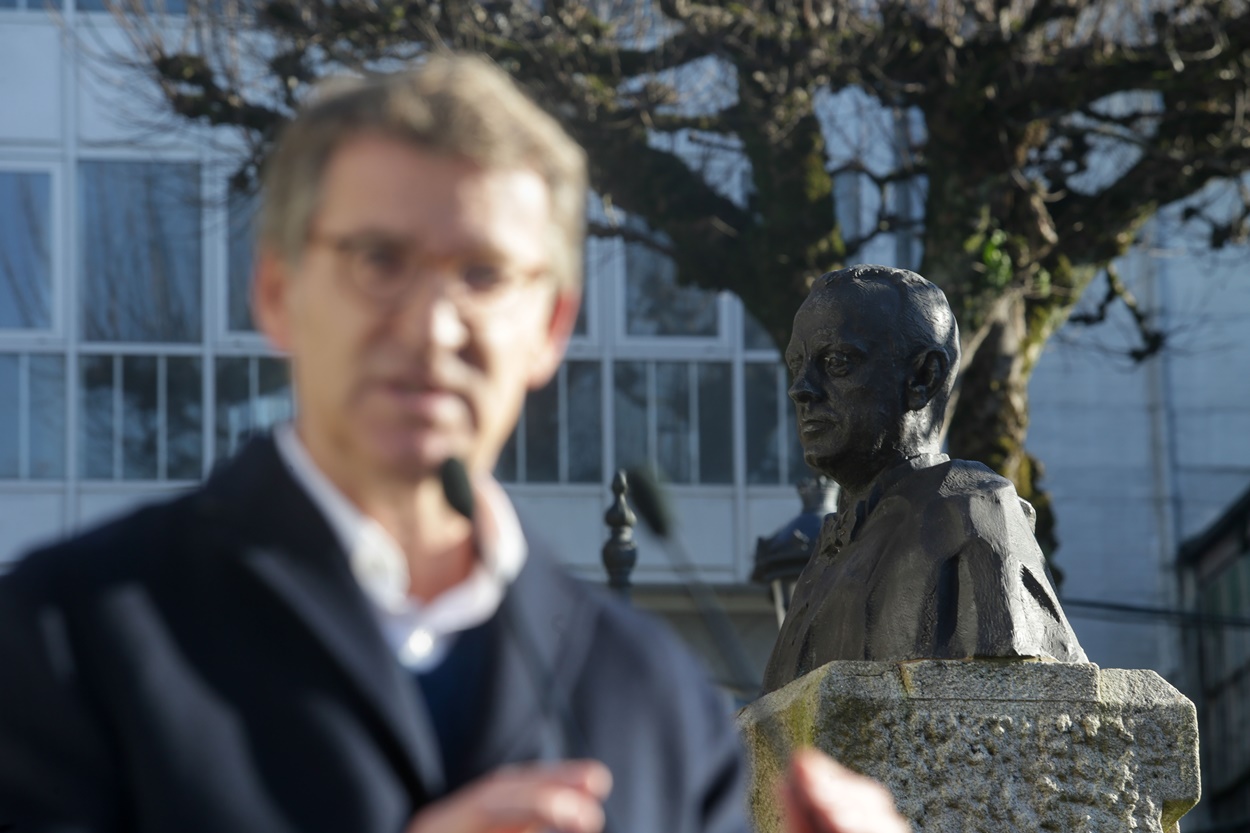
{"x":927,"y":375}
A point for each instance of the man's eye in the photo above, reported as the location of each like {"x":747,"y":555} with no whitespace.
{"x":380,"y":259}
{"x":483,"y":277}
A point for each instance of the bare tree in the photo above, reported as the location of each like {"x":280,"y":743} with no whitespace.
{"x":1033,"y":138}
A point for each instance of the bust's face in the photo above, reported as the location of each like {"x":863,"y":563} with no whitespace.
{"x":848,"y":381}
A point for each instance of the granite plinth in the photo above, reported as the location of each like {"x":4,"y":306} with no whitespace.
{"x":990,"y":745}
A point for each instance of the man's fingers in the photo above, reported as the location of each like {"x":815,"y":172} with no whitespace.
{"x":565,"y":797}
{"x":589,"y":776}
{"x":822,"y":796}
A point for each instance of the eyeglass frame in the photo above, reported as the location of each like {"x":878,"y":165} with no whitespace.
{"x":490,"y":288}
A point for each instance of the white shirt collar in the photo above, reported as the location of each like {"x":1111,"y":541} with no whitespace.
{"x":419,"y":633}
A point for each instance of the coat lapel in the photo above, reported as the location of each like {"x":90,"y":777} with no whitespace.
{"x":285,"y":543}
{"x":546,"y":629}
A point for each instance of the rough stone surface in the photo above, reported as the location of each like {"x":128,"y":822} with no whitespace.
{"x":990,"y":745}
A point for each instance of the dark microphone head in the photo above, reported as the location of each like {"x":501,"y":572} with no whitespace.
{"x":650,"y":501}
{"x":456,"y":486}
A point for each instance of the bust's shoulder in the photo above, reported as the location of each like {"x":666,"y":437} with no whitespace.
{"x":958,"y":500}
{"x":970,"y":478}
{"x":954,"y":481}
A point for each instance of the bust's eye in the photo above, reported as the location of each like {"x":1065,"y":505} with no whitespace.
{"x":837,"y":362}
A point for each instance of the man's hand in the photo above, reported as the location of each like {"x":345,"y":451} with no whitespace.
{"x":565,"y":797}
{"x":821,"y":796}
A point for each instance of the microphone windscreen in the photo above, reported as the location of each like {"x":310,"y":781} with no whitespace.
{"x":649,"y":501}
{"x":456,"y":486}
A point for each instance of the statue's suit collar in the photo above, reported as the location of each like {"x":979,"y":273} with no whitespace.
{"x":842,"y":528}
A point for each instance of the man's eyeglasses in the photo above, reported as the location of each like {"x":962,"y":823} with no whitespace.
{"x":385,"y":269}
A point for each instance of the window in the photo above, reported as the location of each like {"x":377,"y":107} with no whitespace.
{"x":675,"y":417}
{"x":253,"y":394}
{"x":25,"y":250}
{"x":140,"y":270}
{"x":655,"y":305}
{"x":559,"y":438}
{"x":773,"y":451}
{"x":32,"y":416}
{"x":140,"y":417}
{"x":158,"y":6}
{"x":754,"y":336}
{"x":241,"y":211}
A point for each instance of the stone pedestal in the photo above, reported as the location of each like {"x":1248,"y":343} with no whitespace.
{"x":986,"y":745}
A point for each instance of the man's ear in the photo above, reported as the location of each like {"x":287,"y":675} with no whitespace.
{"x":926,"y":377}
{"x":270,"y":287}
{"x":564,"y":310}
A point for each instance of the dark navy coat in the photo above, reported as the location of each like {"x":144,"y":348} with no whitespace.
{"x":210,"y":664}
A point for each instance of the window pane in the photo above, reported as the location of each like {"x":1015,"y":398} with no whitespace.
{"x":140,"y":425}
{"x":629,"y":405}
{"x":184,"y":417}
{"x":242,"y":210}
{"x":47,"y":417}
{"x":96,"y":417}
{"x":9,"y":449}
{"x":716,"y":452}
{"x":585,"y":414}
{"x":763,"y":465}
{"x":542,"y":435}
{"x":234,"y":413}
{"x":672,"y":403}
{"x":140,"y":265}
{"x":273,"y":390}
{"x":754,"y":336}
{"x":25,"y":250}
{"x":656,"y":306}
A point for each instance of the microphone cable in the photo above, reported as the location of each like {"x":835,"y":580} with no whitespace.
{"x":653,"y":507}
{"x":555,"y":708}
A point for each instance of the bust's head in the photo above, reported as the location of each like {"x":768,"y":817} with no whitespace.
{"x":873,"y":357}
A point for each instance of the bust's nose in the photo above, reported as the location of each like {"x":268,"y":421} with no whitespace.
{"x":802,"y":390}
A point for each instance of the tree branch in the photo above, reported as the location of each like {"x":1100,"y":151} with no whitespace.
{"x":1152,"y":338}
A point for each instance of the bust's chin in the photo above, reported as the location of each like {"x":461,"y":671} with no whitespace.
{"x":821,"y":461}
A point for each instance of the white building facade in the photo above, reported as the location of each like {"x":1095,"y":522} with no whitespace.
{"x":128,"y":368}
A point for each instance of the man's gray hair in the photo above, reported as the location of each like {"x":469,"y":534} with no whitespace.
{"x":459,"y":105}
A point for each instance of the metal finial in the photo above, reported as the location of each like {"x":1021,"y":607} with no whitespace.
{"x":620,"y":553}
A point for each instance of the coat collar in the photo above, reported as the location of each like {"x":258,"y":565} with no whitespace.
{"x":546,"y":626}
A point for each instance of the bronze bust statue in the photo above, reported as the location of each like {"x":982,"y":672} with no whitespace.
{"x":926,"y":557}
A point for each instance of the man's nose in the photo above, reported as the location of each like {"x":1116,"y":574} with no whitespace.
{"x":433,"y":314}
{"x":802,"y":390}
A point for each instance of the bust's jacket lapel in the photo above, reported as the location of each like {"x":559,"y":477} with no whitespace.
{"x":283,"y":541}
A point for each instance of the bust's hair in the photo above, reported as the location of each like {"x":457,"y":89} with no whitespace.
{"x":458,"y":105}
{"x":925,"y":319}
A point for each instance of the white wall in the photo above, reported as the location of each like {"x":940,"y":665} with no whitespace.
{"x":1140,"y":457}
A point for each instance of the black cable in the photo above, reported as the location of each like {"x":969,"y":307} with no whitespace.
{"x":653,"y":507}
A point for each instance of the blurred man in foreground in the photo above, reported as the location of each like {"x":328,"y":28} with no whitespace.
{"x":316,"y":639}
